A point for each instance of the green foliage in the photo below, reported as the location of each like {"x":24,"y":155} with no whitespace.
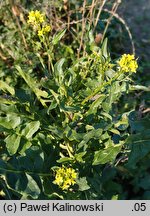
{"x":63,"y":122}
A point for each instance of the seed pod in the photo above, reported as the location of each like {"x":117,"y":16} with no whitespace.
{"x":98,"y":38}
{"x":15,"y":10}
{"x":65,"y":4}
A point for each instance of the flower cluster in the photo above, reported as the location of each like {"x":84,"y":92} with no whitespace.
{"x":128,"y":63}
{"x":35,"y":18}
{"x":65,"y":177}
{"x":38,"y":21}
{"x":44,"y":30}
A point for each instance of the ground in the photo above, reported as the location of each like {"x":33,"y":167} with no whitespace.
{"x":137,"y":15}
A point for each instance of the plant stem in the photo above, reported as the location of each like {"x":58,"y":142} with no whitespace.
{"x":99,"y":13}
{"x":83,"y":28}
{"x":114,"y":9}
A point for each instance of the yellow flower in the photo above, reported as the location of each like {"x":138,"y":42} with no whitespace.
{"x":47,"y":29}
{"x":71,"y":172}
{"x":65,"y":186}
{"x":40,"y":32}
{"x":36,"y":18}
{"x":2,"y":193}
{"x":128,"y":63}
{"x":58,"y":180}
{"x":38,"y":21}
{"x":65,"y":177}
{"x":44,"y":30}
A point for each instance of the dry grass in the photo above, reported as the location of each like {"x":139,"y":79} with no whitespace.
{"x":76,"y":18}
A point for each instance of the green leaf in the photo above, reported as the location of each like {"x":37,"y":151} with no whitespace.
{"x":79,"y":156}
{"x":59,"y":74}
{"x":83,"y":184}
{"x":72,"y":135}
{"x":12,"y":143}
{"x":65,"y":159}
{"x":24,"y":145}
{"x":7,"y":108}
{"x":91,"y":36}
{"x":138,"y":125}
{"x":95,"y":133}
{"x":115,"y":131}
{"x":41,"y":60}
{"x":139,"y":145}
{"x":98,"y":101}
{"x":71,"y":109}
{"x":50,"y":190}
{"x":30,"y":129}
{"x":106,"y":115}
{"x":29,"y":80}
{"x":33,"y":85}
{"x":32,"y":189}
{"x":123,"y":123}
{"x":52,"y":106}
{"x":57,"y":131}
{"x":6,"y":101}
{"x":23,"y":184}
{"x":107,"y":155}
{"x":32,"y":159}
{"x":5,"y":87}
{"x":140,"y":87}
{"x":104,"y":48}
{"x":114,"y":92}
{"x":11,"y":121}
{"x":115,"y":197}
{"x":110,"y":73}
{"x":57,"y":37}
